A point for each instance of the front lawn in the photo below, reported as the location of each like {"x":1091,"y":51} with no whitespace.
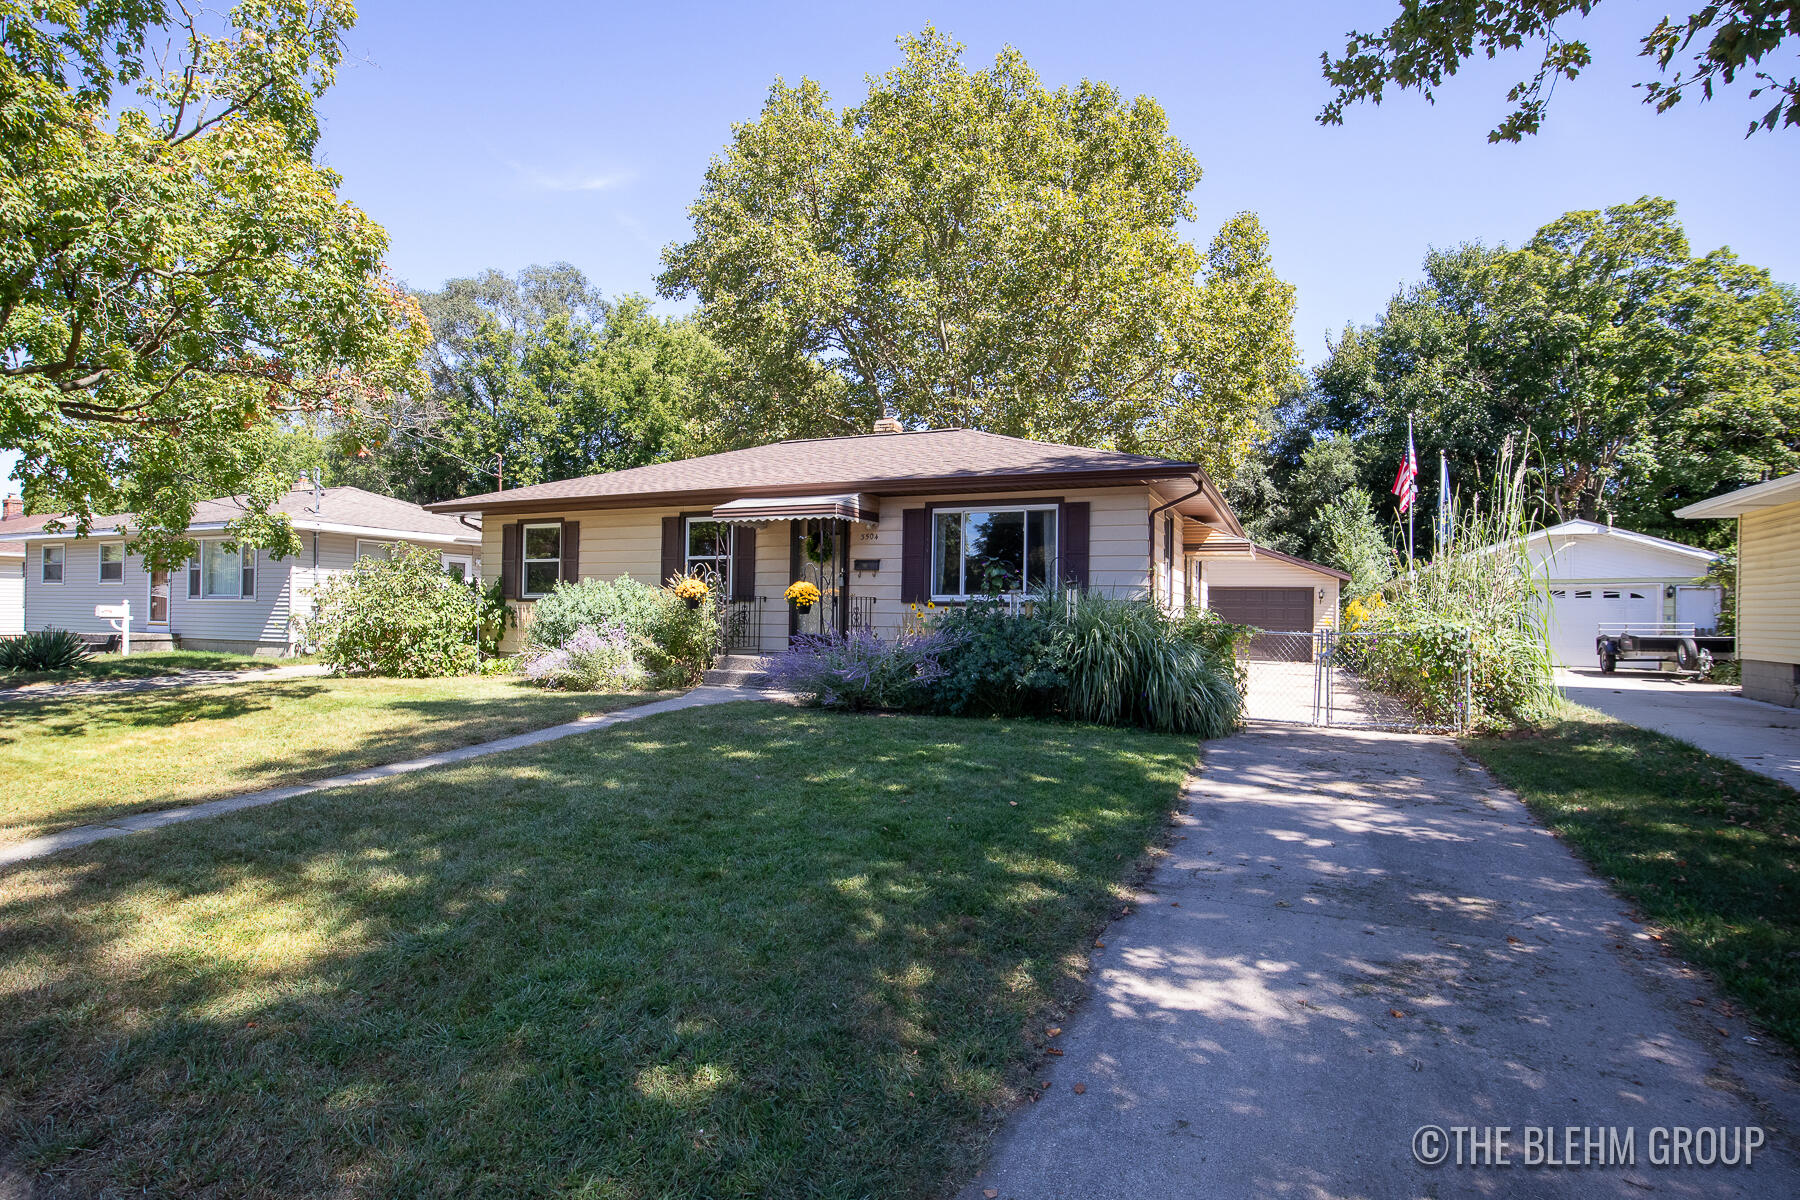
{"x":77,"y":760}
{"x":746,"y":950}
{"x":1704,"y":848}
{"x":144,"y":664}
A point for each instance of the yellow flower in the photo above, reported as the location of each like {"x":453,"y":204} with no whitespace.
{"x":801,"y":592}
{"x":690,"y":587}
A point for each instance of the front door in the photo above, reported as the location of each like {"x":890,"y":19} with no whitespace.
{"x":159,"y":598}
{"x":819,"y":557}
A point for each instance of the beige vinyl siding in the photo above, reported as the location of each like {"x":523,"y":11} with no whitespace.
{"x":12,"y":595}
{"x":614,"y":542}
{"x":1769,"y":585}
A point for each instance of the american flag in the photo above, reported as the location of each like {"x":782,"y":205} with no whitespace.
{"x":1406,"y":479}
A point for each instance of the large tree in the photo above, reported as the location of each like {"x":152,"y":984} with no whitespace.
{"x":1431,"y":39}
{"x":178,"y":277}
{"x":972,"y":248}
{"x":1644,"y":376}
{"x":536,"y":376}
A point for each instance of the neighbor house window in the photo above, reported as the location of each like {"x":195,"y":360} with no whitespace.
{"x":709,"y":550}
{"x":112,"y":562}
{"x":992,"y":551}
{"x":53,"y":564}
{"x":542,"y":558}
{"x":374,"y":549}
{"x":223,"y":572}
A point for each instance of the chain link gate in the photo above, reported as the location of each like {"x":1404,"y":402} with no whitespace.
{"x":1335,"y":678}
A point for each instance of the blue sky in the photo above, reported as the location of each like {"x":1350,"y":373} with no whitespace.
{"x":580,"y":132}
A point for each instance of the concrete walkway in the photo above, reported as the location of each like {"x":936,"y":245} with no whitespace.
{"x":83,"y":835}
{"x":1355,"y":935}
{"x":152,"y":683}
{"x":1760,"y":736}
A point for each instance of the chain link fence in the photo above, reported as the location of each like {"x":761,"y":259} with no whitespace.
{"x":1343,"y":679}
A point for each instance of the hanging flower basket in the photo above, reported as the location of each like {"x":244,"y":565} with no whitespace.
{"x":690,"y":588}
{"x":803,"y":594}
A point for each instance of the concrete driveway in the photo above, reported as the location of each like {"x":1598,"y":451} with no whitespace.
{"x":1763,"y":737}
{"x":1355,"y":936}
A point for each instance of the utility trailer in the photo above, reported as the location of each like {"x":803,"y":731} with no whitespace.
{"x":1661,"y":644}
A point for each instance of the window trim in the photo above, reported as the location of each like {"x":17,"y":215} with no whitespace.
{"x":247,"y":570}
{"x":100,"y":564}
{"x":721,"y":563}
{"x":62,"y":563}
{"x":1050,"y":504}
{"x":525,"y":528}
{"x":361,"y":542}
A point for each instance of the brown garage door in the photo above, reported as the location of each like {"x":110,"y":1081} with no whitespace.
{"x":1266,"y":608}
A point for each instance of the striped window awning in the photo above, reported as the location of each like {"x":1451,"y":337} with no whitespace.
{"x":853,"y":506}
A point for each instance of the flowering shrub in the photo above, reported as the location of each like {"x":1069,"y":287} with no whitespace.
{"x":860,"y":670}
{"x":802,"y":593}
{"x":591,"y":659}
{"x":400,"y":615}
{"x":674,"y":643}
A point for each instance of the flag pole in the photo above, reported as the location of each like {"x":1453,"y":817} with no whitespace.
{"x":1412,"y":510}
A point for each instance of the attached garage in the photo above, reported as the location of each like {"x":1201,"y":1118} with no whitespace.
{"x":1249,"y":584}
{"x":1599,"y":575}
{"x":1285,"y":608}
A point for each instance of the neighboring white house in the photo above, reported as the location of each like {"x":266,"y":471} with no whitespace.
{"x":227,"y":597}
{"x":1601,"y":575}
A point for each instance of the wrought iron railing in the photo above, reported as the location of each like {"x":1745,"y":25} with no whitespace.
{"x":740,"y":626}
{"x":862,"y":612}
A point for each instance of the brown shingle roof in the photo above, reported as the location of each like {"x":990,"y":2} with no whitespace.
{"x":350,"y":506}
{"x":878,"y":462}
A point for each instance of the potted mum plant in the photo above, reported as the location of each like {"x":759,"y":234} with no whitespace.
{"x":691,"y":588}
{"x":803,"y":594}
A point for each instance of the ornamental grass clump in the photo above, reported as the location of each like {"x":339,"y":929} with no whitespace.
{"x":593,"y":659}
{"x":1468,"y":627}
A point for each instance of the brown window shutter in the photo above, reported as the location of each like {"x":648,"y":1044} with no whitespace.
{"x":743,"y":562}
{"x":915,"y":555}
{"x":509,"y":560}
{"x":1073,"y":538}
{"x":674,"y":555}
{"x":571,"y":551}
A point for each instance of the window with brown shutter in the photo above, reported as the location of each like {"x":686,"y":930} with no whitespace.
{"x":571,"y":551}
{"x":915,"y":555}
{"x":1074,"y":543}
{"x":509,"y":560}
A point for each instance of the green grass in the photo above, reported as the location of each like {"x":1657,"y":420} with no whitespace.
{"x":147,"y":663}
{"x":1705,"y":849}
{"x":745,"y":950}
{"x":80,"y":759}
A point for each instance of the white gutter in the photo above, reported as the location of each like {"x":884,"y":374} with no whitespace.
{"x":371,"y":532}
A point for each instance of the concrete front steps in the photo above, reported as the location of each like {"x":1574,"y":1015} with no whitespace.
{"x":738,"y":670}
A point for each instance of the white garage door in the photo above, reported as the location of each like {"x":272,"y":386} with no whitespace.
{"x":1576,"y":615}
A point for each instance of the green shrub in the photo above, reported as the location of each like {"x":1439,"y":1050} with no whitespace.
{"x":674,"y":643}
{"x":995,"y":663}
{"x":593,"y":603}
{"x":400,"y":616}
{"x":43,"y":650}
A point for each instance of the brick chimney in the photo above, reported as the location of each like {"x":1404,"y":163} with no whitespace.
{"x":886,"y":424}
{"x":12,"y":507}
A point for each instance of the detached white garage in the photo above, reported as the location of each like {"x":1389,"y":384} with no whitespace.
{"x":1601,"y":575}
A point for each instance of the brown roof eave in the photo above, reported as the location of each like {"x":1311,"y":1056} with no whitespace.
{"x":496,"y":502}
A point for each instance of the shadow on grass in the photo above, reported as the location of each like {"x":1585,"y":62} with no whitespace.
{"x":741,"y":950}
{"x":245,"y":737}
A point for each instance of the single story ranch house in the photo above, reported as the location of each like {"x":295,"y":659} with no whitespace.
{"x":879,"y":522}
{"x":228,"y":597}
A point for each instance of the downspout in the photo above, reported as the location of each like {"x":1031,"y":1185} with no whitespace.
{"x":1199,"y":490}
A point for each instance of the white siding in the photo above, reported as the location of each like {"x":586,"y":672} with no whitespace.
{"x":12,"y":595}
{"x":1604,"y":558}
{"x":260,"y":624}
